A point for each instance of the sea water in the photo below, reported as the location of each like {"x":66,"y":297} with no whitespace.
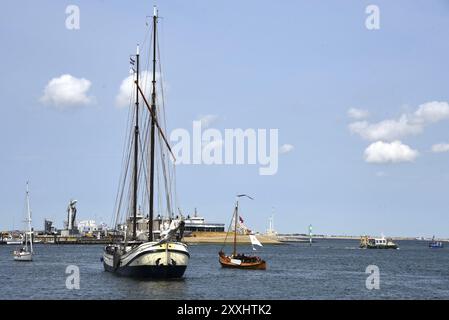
{"x":329,"y":269}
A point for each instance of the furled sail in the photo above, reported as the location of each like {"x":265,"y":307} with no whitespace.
{"x":170,"y":232}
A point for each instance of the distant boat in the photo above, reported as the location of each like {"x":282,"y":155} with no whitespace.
{"x":25,"y":253}
{"x":377,"y":243}
{"x":238,"y":260}
{"x":14,"y":240}
{"x":435,"y":244}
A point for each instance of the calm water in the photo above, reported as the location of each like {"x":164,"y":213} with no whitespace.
{"x":330,"y":269}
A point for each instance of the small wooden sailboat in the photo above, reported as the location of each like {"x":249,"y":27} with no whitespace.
{"x":25,"y":253}
{"x":237,"y":260}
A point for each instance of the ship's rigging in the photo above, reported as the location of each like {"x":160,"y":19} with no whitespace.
{"x":146,"y":187}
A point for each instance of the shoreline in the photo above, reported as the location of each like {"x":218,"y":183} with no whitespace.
{"x":198,"y":238}
{"x":220,"y":237}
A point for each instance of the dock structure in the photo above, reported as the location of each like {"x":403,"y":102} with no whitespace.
{"x":57,"y":239}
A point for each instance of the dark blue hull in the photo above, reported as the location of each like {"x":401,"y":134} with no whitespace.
{"x":149,"y":272}
{"x":380,"y":247}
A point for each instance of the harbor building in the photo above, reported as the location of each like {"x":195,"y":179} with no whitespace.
{"x":192,"y":224}
{"x":87,"y":226}
{"x":199,"y":224}
{"x":48,"y":227}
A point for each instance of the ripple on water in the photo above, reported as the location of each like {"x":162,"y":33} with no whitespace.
{"x":330,"y":269}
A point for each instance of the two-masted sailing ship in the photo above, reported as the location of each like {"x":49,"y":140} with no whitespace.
{"x":239,"y":260}
{"x":25,"y":253}
{"x":145,"y":252}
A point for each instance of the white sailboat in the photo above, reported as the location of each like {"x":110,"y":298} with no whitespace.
{"x":140,"y":254}
{"x":25,"y":253}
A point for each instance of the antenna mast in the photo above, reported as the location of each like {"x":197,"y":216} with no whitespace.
{"x":235,"y":227}
{"x":29,"y":222}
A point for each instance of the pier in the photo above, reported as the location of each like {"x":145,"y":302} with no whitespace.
{"x":56,"y":239}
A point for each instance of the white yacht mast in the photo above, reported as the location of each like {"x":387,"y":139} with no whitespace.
{"x":29,"y":232}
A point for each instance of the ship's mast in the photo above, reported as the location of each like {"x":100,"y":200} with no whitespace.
{"x":152,"y":132}
{"x":29,"y":232}
{"x":236,"y":218}
{"x":136,"y":151}
{"x":235,"y":228}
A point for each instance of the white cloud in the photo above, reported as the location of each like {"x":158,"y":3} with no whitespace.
{"x":407,"y":124}
{"x":207,"y":120}
{"x":440,"y":147}
{"x":386,"y":130}
{"x":393,"y":152}
{"x":127,"y":89}
{"x":431,"y":112}
{"x":124,"y":95}
{"x":67,"y":91}
{"x":358,"y":114}
{"x":286,"y":148}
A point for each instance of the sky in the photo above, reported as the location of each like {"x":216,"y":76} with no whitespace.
{"x":362,"y":114}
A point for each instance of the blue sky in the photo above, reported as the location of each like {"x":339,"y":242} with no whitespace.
{"x":298,"y":66}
